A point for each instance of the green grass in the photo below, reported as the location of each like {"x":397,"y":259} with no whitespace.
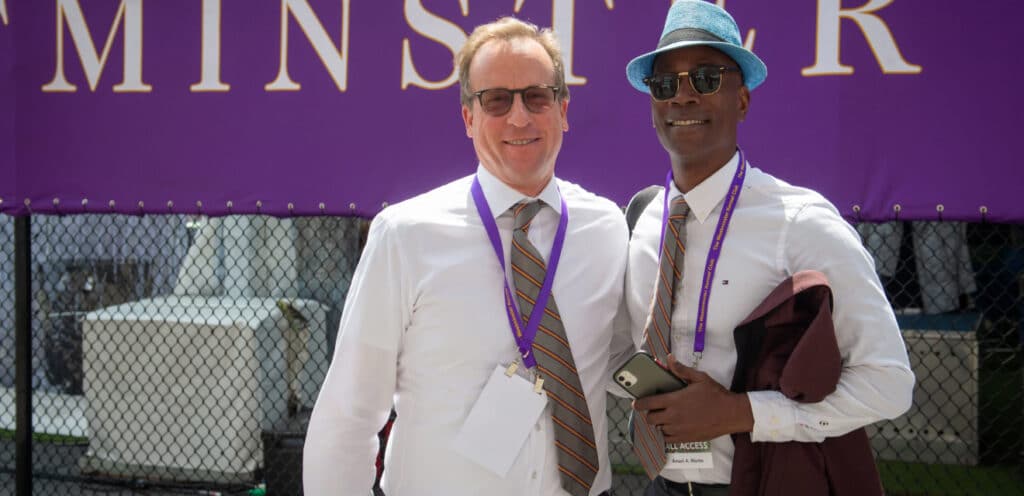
{"x":43,"y":437}
{"x":626,"y":469}
{"x":919,"y":479}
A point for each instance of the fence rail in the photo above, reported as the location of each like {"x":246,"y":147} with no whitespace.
{"x":179,"y":354}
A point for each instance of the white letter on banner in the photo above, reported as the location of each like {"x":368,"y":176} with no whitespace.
{"x":209,"y":79}
{"x":92,"y":63}
{"x":877,"y":33}
{"x":335,"y":60}
{"x":435,"y":28}
{"x":3,"y":11}
{"x":563,"y":23}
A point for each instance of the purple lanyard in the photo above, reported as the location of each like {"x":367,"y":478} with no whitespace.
{"x":523,"y":336}
{"x":731,"y":197}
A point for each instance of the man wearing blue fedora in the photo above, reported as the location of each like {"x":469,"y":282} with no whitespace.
{"x":708,"y":249}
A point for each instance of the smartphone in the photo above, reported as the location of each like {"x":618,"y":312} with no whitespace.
{"x":641,"y":376}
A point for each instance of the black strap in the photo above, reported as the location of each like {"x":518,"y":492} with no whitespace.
{"x":636,"y":206}
{"x":638,"y":203}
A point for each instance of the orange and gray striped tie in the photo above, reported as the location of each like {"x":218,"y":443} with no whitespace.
{"x":648,"y":442}
{"x":574,"y":433}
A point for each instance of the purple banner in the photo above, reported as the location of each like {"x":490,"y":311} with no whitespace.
{"x":340,"y":106}
{"x":7,"y":110}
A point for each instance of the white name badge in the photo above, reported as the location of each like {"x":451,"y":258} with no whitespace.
{"x":500,"y":421}
{"x":689,"y":455}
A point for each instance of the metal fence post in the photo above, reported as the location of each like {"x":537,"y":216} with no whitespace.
{"x":23,"y":355}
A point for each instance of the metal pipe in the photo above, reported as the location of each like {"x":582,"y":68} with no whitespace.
{"x":23,"y":356}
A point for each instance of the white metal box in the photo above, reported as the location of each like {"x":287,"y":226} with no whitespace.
{"x":181,"y":387}
{"x":942,"y":424}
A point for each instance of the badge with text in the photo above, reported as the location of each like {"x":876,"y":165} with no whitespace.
{"x":500,"y":421}
{"x":689,"y":455}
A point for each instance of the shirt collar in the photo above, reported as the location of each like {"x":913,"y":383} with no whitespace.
{"x":500,"y":197}
{"x":703,"y":198}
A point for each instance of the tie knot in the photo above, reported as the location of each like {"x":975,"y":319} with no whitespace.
{"x":524,"y":213}
{"x":678,"y":210}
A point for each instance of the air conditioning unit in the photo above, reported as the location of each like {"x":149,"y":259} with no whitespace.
{"x":942,"y":424}
{"x":180,"y":388}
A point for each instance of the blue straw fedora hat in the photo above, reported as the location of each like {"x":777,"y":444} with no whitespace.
{"x":699,"y":23}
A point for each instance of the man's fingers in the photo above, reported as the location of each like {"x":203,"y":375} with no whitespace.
{"x":683,"y":372}
{"x":655,"y":402}
{"x":657,"y":417}
{"x":648,"y":403}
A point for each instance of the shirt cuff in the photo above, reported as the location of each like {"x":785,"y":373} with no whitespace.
{"x":774,"y":416}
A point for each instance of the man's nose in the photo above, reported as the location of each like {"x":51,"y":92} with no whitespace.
{"x":685,"y":92}
{"x":518,"y":115}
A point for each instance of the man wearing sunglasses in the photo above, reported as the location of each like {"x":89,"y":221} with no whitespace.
{"x":496,"y":393}
{"x":742,"y":232}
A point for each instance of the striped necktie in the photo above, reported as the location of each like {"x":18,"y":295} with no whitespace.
{"x":574,"y":433}
{"x":649,"y":444}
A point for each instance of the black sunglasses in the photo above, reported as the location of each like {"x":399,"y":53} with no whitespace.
{"x":704,"y":79}
{"x":498,"y":101}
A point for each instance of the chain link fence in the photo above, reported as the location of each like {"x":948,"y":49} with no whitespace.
{"x":182,"y":354}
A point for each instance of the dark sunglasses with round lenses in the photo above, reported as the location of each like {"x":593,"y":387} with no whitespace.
{"x":498,"y":101}
{"x":704,"y":79}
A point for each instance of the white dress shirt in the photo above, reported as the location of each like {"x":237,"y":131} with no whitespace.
{"x":424,"y":326}
{"x":776,"y":230}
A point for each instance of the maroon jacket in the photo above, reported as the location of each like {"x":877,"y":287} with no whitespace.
{"x":788,"y":344}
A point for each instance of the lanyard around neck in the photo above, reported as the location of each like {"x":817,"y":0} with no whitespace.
{"x":523,"y":335}
{"x":729,"y":205}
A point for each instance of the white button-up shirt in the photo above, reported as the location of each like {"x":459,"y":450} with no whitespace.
{"x":776,"y":230}
{"x":424,"y":326}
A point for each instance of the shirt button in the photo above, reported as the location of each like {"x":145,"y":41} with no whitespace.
{"x":533,"y":475}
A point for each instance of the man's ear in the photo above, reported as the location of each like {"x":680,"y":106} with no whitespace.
{"x":565,"y":115}
{"x":744,"y":103}
{"x":467,"y":117}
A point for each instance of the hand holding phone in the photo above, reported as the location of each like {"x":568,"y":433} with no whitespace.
{"x":641,"y":376}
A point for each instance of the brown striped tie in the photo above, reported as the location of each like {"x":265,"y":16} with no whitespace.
{"x":649,"y":444}
{"x":574,"y":433}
